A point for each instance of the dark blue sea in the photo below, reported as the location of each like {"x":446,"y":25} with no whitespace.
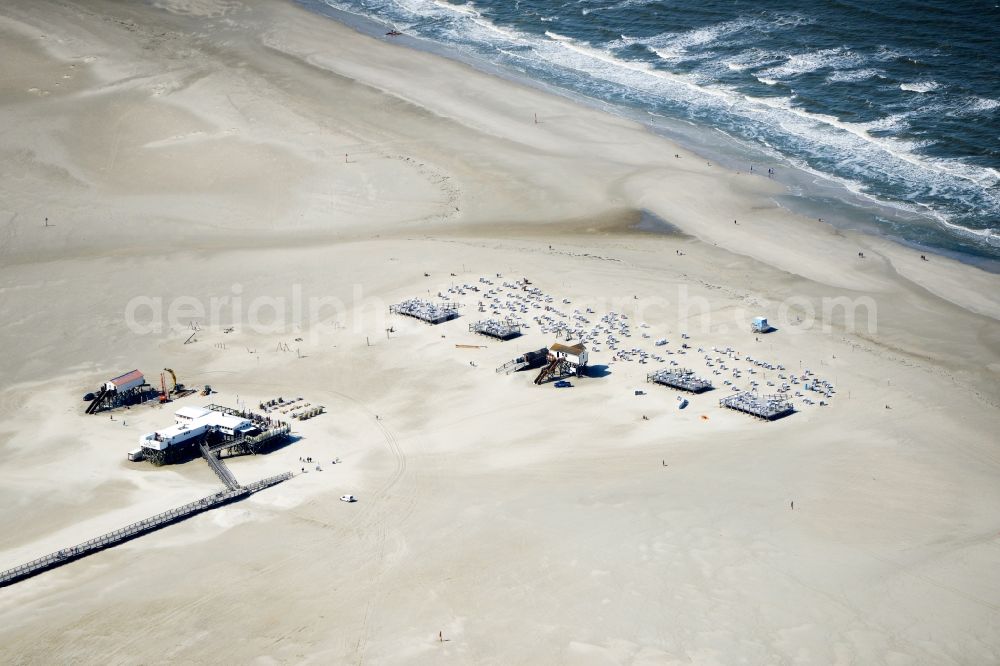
{"x":885,"y":114}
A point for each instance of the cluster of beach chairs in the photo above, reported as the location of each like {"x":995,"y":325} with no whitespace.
{"x":495,"y":328}
{"x":279,"y":404}
{"x":810,"y":382}
{"x":767,"y":407}
{"x":296,"y":408}
{"x":682,"y":378}
{"x":524,"y":305}
{"x":431,"y":313}
{"x":308,"y":411}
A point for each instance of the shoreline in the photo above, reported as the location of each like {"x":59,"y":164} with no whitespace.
{"x":831,"y":199}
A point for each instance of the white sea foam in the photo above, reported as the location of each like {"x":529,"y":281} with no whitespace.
{"x":622,"y":41}
{"x":877,"y":154}
{"x":492,"y":27}
{"x":752,"y":59}
{"x":675,"y":46}
{"x":919,"y":86}
{"x":462,"y":9}
{"x":945,"y":105}
{"x":624,"y":4}
{"x":894,"y":122}
{"x":557,"y":37}
{"x":853,"y":75}
{"x":605,"y":65}
{"x":991,"y":235}
{"x":810,"y":61}
{"x":775,"y":121}
{"x":792,"y":20}
{"x":982,"y":104}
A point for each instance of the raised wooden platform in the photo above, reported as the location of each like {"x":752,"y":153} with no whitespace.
{"x":766,"y":407}
{"x":426,"y":311}
{"x":680,"y":378}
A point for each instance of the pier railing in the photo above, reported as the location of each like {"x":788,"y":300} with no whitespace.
{"x":219,"y":468}
{"x":123,"y":534}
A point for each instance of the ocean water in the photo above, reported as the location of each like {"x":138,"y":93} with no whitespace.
{"x":884,"y":114}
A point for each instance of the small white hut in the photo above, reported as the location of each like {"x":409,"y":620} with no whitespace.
{"x":574,"y":354}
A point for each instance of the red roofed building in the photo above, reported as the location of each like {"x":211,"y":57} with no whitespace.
{"x":126,"y":382}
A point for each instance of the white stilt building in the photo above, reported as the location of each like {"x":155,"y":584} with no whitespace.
{"x":192,"y":423}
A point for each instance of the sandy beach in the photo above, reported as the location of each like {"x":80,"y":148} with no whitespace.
{"x":239,"y":190}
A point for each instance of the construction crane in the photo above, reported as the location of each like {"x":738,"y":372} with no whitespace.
{"x":177,"y":387}
{"x":164,"y":396}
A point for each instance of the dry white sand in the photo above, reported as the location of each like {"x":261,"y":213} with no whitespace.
{"x":196,"y":149}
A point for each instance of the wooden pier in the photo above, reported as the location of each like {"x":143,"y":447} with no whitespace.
{"x":66,"y":555}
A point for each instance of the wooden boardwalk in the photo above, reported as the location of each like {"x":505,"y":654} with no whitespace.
{"x":52,"y":560}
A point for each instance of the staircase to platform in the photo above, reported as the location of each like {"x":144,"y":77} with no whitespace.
{"x":219,"y":468}
{"x":96,"y":402}
{"x":512,"y":366}
{"x":547,"y":370}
